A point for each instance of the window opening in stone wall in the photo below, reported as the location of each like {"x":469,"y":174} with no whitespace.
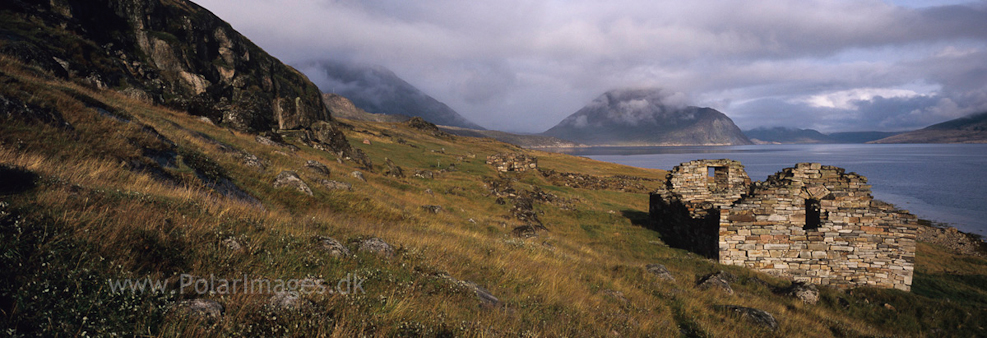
{"x":812,"y":214}
{"x":720,"y":176}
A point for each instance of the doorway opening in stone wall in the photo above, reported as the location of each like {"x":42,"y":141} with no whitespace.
{"x":812,"y":214}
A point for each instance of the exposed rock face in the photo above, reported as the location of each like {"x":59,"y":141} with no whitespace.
{"x":487,"y":299}
{"x":378,"y":90}
{"x":378,"y":246}
{"x":289,"y":301}
{"x":173,"y":52}
{"x":336,"y":185}
{"x":952,"y":239}
{"x":660,"y":271}
{"x":615,"y":183}
{"x":720,"y":281}
{"x":641,"y":117}
{"x":393,"y":169}
{"x":317,"y":168}
{"x":807,"y":293}
{"x":201,"y":307}
{"x":756,"y":316}
{"x":334,"y":247}
{"x":291,"y":180}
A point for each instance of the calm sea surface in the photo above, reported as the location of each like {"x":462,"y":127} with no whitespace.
{"x":940,"y":182}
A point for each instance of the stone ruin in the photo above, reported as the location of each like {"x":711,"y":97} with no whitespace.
{"x":512,"y":162}
{"x":811,"y":223}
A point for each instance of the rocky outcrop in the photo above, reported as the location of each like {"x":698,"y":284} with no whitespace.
{"x":807,"y":293}
{"x":174,"y":53}
{"x":333,"y":247}
{"x":756,"y":316}
{"x":615,"y":183}
{"x":377,"y":246}
{"x":289,"y":179}
{"x":718,"y":281}
{"x":201,"y":307}
{"x":952,"y":239}
{"x":659,"y":271}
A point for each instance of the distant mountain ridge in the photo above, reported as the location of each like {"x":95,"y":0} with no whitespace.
{"x":969,"y":129}
{"x":639,"y":117}
{"x":378,"y":90}
{"x":783,"y":135}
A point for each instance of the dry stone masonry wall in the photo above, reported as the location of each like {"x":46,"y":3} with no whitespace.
{"x":811,"y":223}
{"x":512,"y":162}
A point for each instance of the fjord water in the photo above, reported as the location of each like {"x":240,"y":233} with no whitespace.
{"x":939,"y":182}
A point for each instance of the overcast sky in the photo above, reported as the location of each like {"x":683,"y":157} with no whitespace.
{"x":525,"y":65}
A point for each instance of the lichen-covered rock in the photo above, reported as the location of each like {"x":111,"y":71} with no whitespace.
{"x":358,"y":175}
{"x":201,"y":307}
{"x":756,"y":316}
{"x":807,"y":293}
{"x":393,"y":169}
{"x":660,"y":271}
{"x":377,"y":246}
{"x":336,"y":185}
{"x":719,"y":281}
{"x":317,"y":167}
{"x":289,"y":301}
{"x":290,"y":179}
{"x":333,"y":247}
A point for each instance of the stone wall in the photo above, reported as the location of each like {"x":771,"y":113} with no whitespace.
{"x":686,"y":212}
{"x":512,"y":162}
{"x":693,"y":182}
{"x":812,"y":223}
{"x":856,"y":240}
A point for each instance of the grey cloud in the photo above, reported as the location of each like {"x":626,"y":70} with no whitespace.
{"x":523,"y":65}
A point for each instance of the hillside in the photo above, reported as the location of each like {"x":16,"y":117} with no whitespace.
{"x":342,"y":107}
{"x":969,"y":129}
{"x":127,"y":215}
{"x":378,"y":90}
{"x":526,"y":141}
{"x":639,"y":117}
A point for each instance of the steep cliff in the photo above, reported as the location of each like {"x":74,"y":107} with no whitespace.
{"x":170,"y":52}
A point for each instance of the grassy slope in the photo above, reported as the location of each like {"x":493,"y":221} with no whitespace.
{"x":90,"y":219}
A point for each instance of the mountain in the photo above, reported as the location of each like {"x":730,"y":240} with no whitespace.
{"x":969,"y":129}
{"x":638,"y":117}
{"x":174,"y":53}
{"x":782,"y":135}
{"x":342,"y":107}
{"x":378,"y":90}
